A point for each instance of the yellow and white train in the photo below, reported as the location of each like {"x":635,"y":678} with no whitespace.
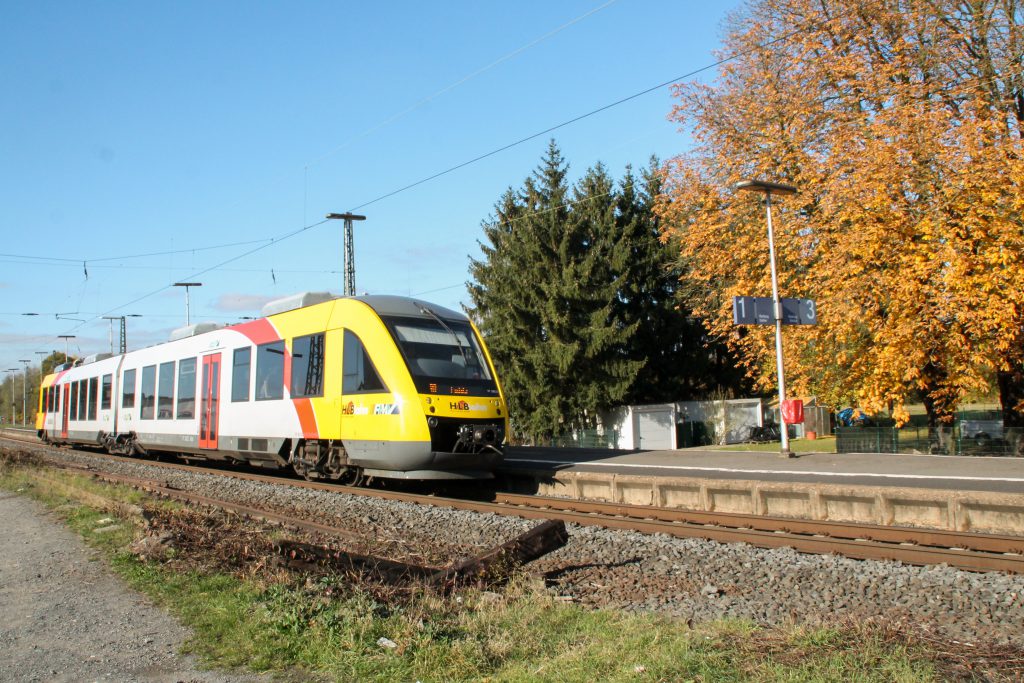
{"x":337,"y":388}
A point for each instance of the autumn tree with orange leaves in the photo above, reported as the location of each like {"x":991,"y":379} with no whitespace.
{"x":902,"y":124}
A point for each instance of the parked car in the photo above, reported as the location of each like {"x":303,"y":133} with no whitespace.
{"x":981,"y":430}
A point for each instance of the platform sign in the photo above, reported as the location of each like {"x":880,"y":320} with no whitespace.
{"x":790,"y":311}
{"x":808,"y":310}
{"x":757,"y":310}
{"x":752,"y":310}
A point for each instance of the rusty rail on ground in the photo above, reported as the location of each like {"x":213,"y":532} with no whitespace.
{"x":493,"y":566}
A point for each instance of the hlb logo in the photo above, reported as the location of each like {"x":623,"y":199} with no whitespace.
{"x":459,"y":405}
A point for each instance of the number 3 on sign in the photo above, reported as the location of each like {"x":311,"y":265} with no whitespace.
{"x":808,"y":312}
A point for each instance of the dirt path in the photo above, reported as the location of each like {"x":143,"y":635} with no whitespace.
{"x":65,"y":617}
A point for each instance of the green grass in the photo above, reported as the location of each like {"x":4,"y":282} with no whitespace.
{"x":329,"y":629}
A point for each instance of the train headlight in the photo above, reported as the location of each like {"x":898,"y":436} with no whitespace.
{"x":432,"y":422}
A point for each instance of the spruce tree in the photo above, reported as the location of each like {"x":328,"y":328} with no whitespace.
{"x":680,"y":360}
{"x":546,"y":299}
{"x":576,"y":296}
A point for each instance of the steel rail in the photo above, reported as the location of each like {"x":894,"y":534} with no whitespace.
{"x":963,"y":550}
{"x":939,"y":538}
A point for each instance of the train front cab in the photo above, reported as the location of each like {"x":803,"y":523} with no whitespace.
{"x":419,"y":396}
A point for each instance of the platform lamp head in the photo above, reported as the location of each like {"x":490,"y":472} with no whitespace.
{"x":187,"y":285}
{"x":66,"y":338}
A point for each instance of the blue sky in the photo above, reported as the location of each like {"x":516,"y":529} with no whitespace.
{"x":134,"y":128}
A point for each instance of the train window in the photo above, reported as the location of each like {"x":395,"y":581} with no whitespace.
{"x":308,"y":366}
{"x":94,"y":396}
{"x":241,"y":369}
{"x":359,"y":374}
{"x":73,"y":411}
{"x":105,"y":394}
{"x":128,"y":389}
{"x":270,"y":371}
{"x":83,"y":399}
{"x":187,"y":389}
{"x":439,"y":349}
{"x":147,"y":400}
{"x":165,"y":392}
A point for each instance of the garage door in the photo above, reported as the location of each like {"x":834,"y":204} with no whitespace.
{"x":656,"y":429}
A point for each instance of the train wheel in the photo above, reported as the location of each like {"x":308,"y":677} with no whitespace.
{"x":349,"y":476}
{"x":303,"y":470}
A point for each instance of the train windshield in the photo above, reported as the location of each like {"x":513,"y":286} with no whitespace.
{"x":444,"y":356}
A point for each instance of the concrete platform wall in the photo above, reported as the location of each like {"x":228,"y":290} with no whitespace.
{"x":983,"y":512}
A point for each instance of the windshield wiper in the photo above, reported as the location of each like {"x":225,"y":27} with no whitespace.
{"x":458,"y":342}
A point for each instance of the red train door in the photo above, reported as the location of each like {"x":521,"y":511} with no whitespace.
{"x":209,"y":406}
{"x":64,"y":413}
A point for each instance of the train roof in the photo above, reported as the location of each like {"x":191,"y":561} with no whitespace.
{"x":382,"y":304}
{"x":293,"y":301}
{"x":385,"y":304}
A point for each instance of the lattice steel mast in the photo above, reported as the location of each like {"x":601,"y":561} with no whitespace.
{"x":350,"y":250}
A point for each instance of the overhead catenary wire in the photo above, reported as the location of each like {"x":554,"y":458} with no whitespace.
{"x":498,"y":150}
{"x":198,"y":273}
{"x":464,"y":79}
{"x":127,"y":257}
{"x":272,"y":241}
{"x":593,"y":112}
{"x":389,"y":120}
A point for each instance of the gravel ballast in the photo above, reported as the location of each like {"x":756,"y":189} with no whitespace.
{"x":692,"y":579}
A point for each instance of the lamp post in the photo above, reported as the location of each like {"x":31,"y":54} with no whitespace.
{"x":12,"y":394}
{"x":186,"y":285}
{"x":24,"y":390}
{"x":769,"y":189}
{"x":350,"y":250}
{"x":112,"y":318}
{"x":65,"y":337}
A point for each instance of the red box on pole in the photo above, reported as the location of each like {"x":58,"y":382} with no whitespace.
{"x":793,"y":411}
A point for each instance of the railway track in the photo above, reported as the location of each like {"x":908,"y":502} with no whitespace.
{"x":969,"y":551}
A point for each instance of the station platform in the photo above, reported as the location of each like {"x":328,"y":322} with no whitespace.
{"x":981,"y":494}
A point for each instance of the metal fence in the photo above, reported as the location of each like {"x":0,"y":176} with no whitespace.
{"x":868,"y":439}
{"x":959,"y":438}
{"x":587,"y":438}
